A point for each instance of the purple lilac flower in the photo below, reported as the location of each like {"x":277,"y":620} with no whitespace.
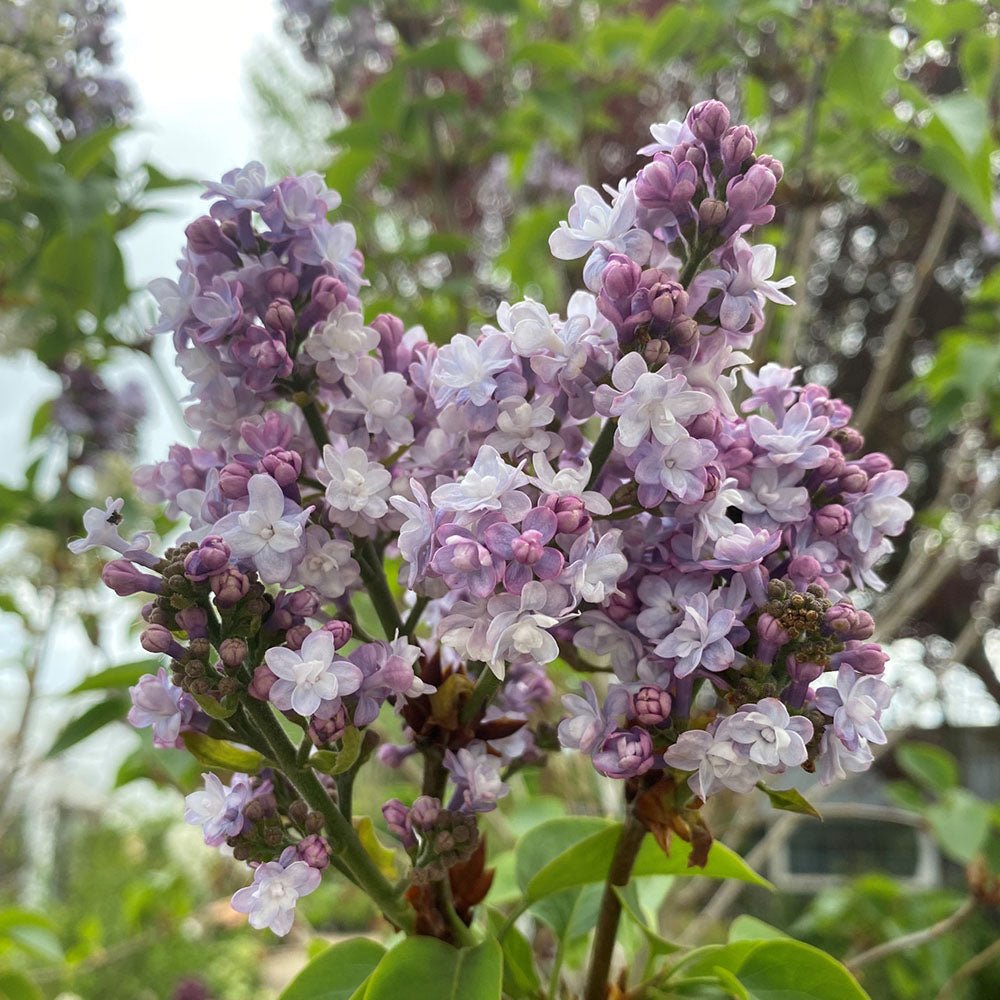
{"x":218,"y":808}
{"x":276,"y":888}
{"x":311,"y":677}
{"x":159,"y":704}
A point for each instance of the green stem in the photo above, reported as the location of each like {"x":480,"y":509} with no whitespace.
{"x":610,"y":913}
{"x":344,"y":841}
{"x":373,"y":573}
{"x":413,"y":618}
{"x":557,"y":964}
{"x":487,"y":685}
{"x":315,"y":421}
{"x":602,"y":448}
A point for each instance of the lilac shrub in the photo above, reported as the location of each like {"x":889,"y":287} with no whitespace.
{"x":612,"y":487}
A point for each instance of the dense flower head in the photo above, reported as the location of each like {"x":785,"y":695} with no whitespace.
{"x":702,"y":553}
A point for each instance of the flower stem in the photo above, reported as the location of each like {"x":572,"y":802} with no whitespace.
{"x":487,"y":685}
{"x":373,"y":573}
{"x":602,"y":448}
{"x":619,"y":872}
{"x":344,"y":841}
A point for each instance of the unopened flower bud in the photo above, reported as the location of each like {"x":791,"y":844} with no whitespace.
{"x":340,"y":630}
{"x":651,"y":705}
{"x":831,"y":520}
{"x":211,"y":557}
{"x":157,"y":639}
{"x":230,"y":587}
{"x":263,"y":681}
{"x":234,"y":479}
{"x":712,"y":213}
{"x":708,"y":121}
{"x":314,"y":851}
{"x":232,"y":652}
{"x":126,"y":579}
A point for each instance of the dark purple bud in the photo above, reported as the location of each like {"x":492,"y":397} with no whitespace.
{"x":263,"y":681}
{"x":233,"y":480}
{"x":280,"y":316}
{"x":708,"y":120}
{"x":875,"y":463}
{"x":232,"y":652}
{"x":327,"y":293}
{"x":846,"y":621}
{"x":651,"y":705}
{"x":851,"y":441}
{"x":282,"y":284}
{"x":737,"y":145}
{"x":625,"y":754}
{"x":656,"y":352}
{"x":804,"y":570}
{"x":571,"y":514}
{"x":297,"y":635}
{"x":194,"y":621}
{"x":854,"y":479}
{"x":667,"y":184}
{"x":772,"y":164}
{"x":205,"y":237}
{"x":802,"y":675}
{"x":284,"y":466}
{"x":158,"y":639}
{"x":341,"y":632}
{"x":211,"y":557}
{"x":126,"y":579}
{"x":326,"y":732}
{"x":390,"y":330}
{"x":832,"y":466}
{"x":230,"y":587}
{"x":397,"y":819}
{"x":425,"y":812}
{"x":831,"y":520}
{"x":314,"y":851}
{"x":864,"y":657}
{"x":771,"y":636}
{"x":707,"y":425}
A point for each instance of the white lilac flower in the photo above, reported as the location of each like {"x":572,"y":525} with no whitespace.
{"x":773,"y":738}
{"x":717,"y":760}
{"x":568,"y":482}
{"x":521,"y":426}
{"x":490,"y":484}
{"x":880,"y":510}
{"x":357,"y":489}
{"x":666,"y":135}
{"x":700,"y":638}
{"x":793,"y":441}
{"x":746,"y":285}
{"x":417,"y":531}
{"x":218,"y":808}
{"x":268,"y":532}
{"x":664,"y":601}
{"x":594,"y":224}
{"x":604,"y":638}
{"x":159,"y":704}
{"x":590,"y":723}
{"x":774,"y":498}
{"x":856,"y":705}
{"x":835,"y":760}
{"x":520,"y":624}
{"x":465,"y":371}
{"x":648,"y":403}
{"x":326,"y":563}
{"x":311,"y":676}
{"x":338,"y":344}
{"x":174,"y":299}
{"x":710,"y":517}
{"x":102,"y":531}
{"x":677,"y":468}
{"x":384,"y":399}
{"x":594,"y":569}
{"x":476,"y":775}
{"x":270,"y":900}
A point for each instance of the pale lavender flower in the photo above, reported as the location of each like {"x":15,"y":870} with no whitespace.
{"x":490,"y":484}
{"x":357,"y":488}
{"x":311,"y":676}
{"x":835,"y":759}
{"x":856,"y":705}
{"x":465,"y":370}
{"x":243,"y":187}
{"x":326,"y":563}
{"x":677,"y":469}
{"x":218,"y":808}
{"x":745,"y":281}
{"x":477,"y":779}
{"x":383,"y":399}
{"x":520,"y":624}
{"x":664,"y":601}
{"x":700,"y":639}
{"x":625,"y":754}
{"x":159,"y":704}
{"x":774,"y":498}
{"x":717,"y":760}
{"x":268,"y":532}
{"x":793,"y":441}
{"x":338,"y":344}
{"x":880,"y":510}
{"x":102,"y":531}
{"x":594,"y":569}
{"x":568,"y":482}
{"x":589,"y":722}
{"x":774,"y":739}
{"x":270,"y":900}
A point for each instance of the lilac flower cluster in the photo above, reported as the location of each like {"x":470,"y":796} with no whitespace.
{"x":580,"y":487}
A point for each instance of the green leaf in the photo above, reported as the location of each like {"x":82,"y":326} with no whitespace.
{"x":96,"y":717}
{"x":961,"y":823}
{"x":966,"y":118}
{"x":860,"y":73}
{"x":219,"y":753}
{"x":777,"y":969}
{"x":541,"y":844}
{"x":336,"y":972}
{"x":748,"y":928}
{"x":789,"y":800}
{"x":22,"y":149}
{"x":121,"y":676}
{"x":519,"y":976}
{"x":931,"y":767}
{"x":630,"y":907}
{"x":17,"y":986}
{"x":472,"y":59}
{"x":338,"y":761}
{"x":588,"y":861}
{"x":217,"y":709}
{"x":423,"y":968}
{"x":32,"y":932}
